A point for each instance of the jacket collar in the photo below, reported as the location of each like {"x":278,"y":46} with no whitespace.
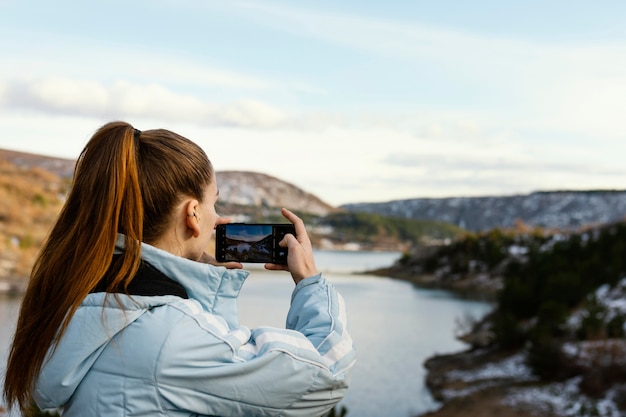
{"x":215,"y":287}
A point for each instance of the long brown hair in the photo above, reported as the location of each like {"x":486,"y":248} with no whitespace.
{"x":125,"y":181}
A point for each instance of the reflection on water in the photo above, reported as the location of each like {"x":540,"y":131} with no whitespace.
{"x":395,"y":327}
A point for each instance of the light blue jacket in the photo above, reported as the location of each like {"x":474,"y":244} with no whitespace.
{"x":169,"y":356}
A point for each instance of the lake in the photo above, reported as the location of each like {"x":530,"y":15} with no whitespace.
{"x":395,"y":326}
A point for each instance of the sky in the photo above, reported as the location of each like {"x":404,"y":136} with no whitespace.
{"x":353,"y":101}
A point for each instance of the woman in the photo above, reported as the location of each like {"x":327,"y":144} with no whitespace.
{"x":124,"y":314}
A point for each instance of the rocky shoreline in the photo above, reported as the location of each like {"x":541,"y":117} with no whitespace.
{"x":480,"y":383}
{"x":483,"y":381}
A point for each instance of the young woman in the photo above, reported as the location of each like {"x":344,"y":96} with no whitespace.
{"x":126,"y":315}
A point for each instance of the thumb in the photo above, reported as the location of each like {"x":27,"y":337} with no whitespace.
{"x":288,"y":241}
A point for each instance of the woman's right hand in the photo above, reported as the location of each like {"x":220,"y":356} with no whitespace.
{"x":300,"y":260}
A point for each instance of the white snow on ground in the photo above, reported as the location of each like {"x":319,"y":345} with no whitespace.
{"x":564,"y":399}
{"x":613,"y":298}
{"x":597,"y":353}
{"x":490,"y":375}
{"x":449,"y":394}
{"x":512,"y":367}
{"x":518,"y":250}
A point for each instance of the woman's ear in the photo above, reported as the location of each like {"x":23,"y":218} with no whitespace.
{"x":193,"y":220}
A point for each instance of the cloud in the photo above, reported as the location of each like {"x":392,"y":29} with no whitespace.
{"x":588,"y":104}
{"x":3,"y":93}
{"x":123,"y":99}
{"x":571,"y":86}
{"x":513,"y":83}
{"x":440,"y":174}
{"x":75,"y":56}
{"x":502,"y":164}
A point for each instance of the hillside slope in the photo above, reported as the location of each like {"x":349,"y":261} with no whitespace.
{"x":237,"y":188}
{"x":260,"y":190}
{"x":30,"y":200}
{"x":550,"y":209}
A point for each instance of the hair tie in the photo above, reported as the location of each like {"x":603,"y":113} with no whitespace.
{"x":137,"y":133}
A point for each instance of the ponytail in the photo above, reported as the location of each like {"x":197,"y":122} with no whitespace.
{"x":105,"y":199}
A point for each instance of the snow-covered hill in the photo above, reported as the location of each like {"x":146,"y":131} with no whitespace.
{"x":553,"y":210}
{"x":550,"y":209}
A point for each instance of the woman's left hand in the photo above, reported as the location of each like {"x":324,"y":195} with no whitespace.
{"x":209,"y":259}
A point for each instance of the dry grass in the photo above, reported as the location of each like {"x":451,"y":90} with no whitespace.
{"x":30,"y":200}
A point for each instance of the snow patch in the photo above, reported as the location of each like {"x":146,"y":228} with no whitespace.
{"x":513,"y":367}
{"x":564,"y":399}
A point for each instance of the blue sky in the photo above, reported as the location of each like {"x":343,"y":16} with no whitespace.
{"x":353,"y":101}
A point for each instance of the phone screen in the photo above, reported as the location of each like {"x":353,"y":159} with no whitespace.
{"x":252,"y":242}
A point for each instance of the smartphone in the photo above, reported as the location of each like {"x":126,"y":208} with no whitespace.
{"x":252,"y":242}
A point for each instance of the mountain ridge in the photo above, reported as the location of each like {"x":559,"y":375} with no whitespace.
{"x":239,"y":188}
{"x":561,"y":209}
{"x":557,"y":210}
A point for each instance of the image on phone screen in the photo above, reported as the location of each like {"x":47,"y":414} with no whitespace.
{"x":256,"y":243}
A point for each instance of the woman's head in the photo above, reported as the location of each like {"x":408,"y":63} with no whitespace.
{"x":151,"y":172}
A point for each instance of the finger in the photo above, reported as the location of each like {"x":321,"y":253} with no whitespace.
{"x":276,"y":267}
{"x":209,"y":259}
{"x":301,"y":233}
{"x":287,"y":241}
{"x":223,"y":220}
{"x":230,"y":265}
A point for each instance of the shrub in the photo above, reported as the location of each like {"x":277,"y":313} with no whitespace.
{"x":593,"y":326}
{"x":544,"y":355}
{"x":507,"y":331}
{"x":615,"y":327}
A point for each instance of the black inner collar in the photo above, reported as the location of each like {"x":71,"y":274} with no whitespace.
{"x":148,"y":281}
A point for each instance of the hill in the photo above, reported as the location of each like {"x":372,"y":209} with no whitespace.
{"x":30,"y":199}
{"x":244,"y":188}
{"x":240,"y":191}
{"x":61,"y":167}
{"x":237,"y":188}
{"x":564,"y":210}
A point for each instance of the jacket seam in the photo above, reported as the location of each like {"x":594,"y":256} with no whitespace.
{"x":219,"y":336}
{"x":155,"y":378}
{"x":331,"y":329}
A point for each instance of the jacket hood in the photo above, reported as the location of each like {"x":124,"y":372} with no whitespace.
{"x":101,"y":316}
{"x":215,"y":287}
